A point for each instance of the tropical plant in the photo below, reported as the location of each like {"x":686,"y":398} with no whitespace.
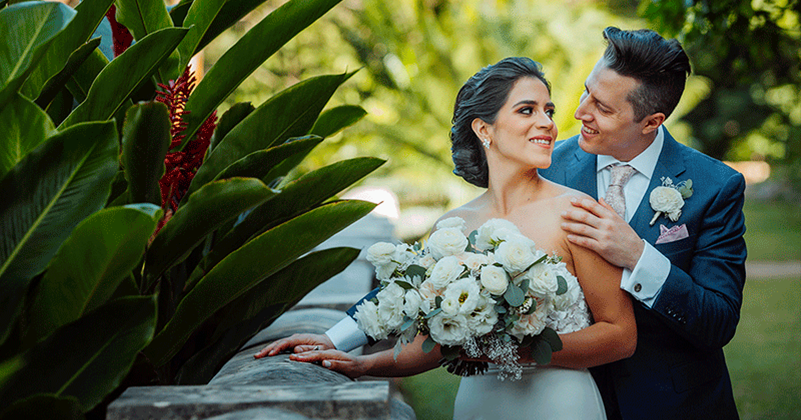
{"x":140,"y":244}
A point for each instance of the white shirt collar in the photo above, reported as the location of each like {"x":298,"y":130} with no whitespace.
{"x":645,"y":162}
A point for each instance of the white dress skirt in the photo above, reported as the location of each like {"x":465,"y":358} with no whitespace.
{"x":543,"y":393}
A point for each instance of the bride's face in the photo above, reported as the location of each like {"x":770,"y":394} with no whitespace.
{"x":524,"y":131}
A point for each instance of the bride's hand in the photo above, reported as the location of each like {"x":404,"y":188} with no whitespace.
{"x":336,"y":360}
{"x":298,"y":343}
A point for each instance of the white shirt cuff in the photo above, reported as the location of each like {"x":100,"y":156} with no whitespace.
{"x":346,"y":335}
{"x":648,"y":276}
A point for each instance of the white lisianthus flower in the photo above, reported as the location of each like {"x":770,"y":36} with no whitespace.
{"x":447,"y":241}
{"x":449,"y":330}
{"x":403,"y":256}
{"x":666,"y":200}
{"x":367,"y":318}
{"x":494,"y":279}
{"x":413,"y":303}
{"x":390,"y":306}
{"x":542,"y":280}
{"x":474,"y":262}
{"x":445,"y":271}
{"x":380,"y":253}
{"x":493,"y":231}
{"x":484,"y":317}
{"x":450,"y":306}
{"x":515,"y":254}
{"x":451,"y":222}
{"x":465,"y":292}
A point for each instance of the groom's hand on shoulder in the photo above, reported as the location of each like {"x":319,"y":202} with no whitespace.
{"x":596,"y":226}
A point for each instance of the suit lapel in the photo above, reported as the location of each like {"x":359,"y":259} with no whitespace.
{"x":671,"y":165}
{"x":581,"y":174}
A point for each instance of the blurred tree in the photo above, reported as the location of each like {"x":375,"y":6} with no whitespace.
{"x":749,"y":53}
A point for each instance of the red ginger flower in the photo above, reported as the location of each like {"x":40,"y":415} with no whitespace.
{"x":120,"y":35}
{"x":181,"y":166}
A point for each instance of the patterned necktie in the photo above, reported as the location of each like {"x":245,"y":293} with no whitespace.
{"x":614,"y":194}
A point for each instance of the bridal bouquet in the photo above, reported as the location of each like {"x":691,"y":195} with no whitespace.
{"x":488,"y":293}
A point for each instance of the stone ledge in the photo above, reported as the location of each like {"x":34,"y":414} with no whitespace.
{"x":355,"y":400}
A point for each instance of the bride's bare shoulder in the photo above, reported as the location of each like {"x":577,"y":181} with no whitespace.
{"x":564,"y":195}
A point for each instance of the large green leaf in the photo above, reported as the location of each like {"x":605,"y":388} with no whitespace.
{"x":82,"y":79}
{"x":258,"y":44}
{"x":54,"y":187}
{"x":89,"y":14}
{"x":231,"y":13}
{"x":44,"y":406}
{"x":58,"y":82}
{"x":258,"y":164}
{"x":94,"y":354}
{"x":209,"y":207}
{"x":145,"y":142}
{"x":89,"y":266}
{"x":248,"y":266}
{"x":258,"y":307}
{"x":143,"y":17}
{"x":290,"y":113}
{"x":298,"y":196}
{"x":23,"y":126}
{"x":230,"y":118}
{"x":120,"y":78}
{"x":336,"y":119}
{"x":26,"y":30}
{"x":199,"y":17}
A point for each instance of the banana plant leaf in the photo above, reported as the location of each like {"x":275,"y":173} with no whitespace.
{"x":81,"y":81}
{"x":336,"y":119}
{"x":89,"y":14}
{"x":44,"y":406}
{"x":145,"y":142}
{"x":209,"y":207}
{"x":258,"y":164}
{"x":89,"y":266}
{"x":231,"y":13}
{"x":54,"y":187}
{"x":298,"y":196}
{"x":23,"y":127}
{"x":120,"y":78}
{"x":56,"y":83}
{"x":143,"y":17}
{"x":289,"y":113}
{"x":230,"y":118}
{"x":247,"y":267}
{"x":244,"y":57}
{"x":26,"y":30}
{"x":86,"y":359}
{"x":260,"y":306}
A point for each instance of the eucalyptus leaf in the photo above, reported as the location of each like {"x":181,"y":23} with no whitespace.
{"x":55,"y":186}
{"x":541,"y":352}
{"x":552,"y":337}
{"x":415,"y":270}
{"x":561,"y":285}
{"x":514,"y":296}
{"x":405,"y":285}
{"x":429,"y":344}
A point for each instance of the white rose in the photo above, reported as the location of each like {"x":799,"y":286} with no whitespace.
{"x":449,"y":330}
{"x":390,"y":306}
{"x":542,"y":280}
{"x":427,"y":261}
{"x":465,"y":293}
{"x":447,"y":241}
{"x":429,"y":292}
{"x":446,"y":271}
{"x":413,"y":303}
{"x":380,"y":253}
{"x":367,"y":319}
{"x":667,"y":200}
{"x":452,"y":222}
{"x":492,"y":232}
{"x":494,"y":279}
{"x":515,"y":254}
{"x":474,"y":262}
{"x":534,"y":323}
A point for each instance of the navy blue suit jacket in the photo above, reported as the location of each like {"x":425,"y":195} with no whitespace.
{"x":678,"y":369}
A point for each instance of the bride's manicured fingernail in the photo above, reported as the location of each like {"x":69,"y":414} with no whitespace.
{"x":326,"y":363}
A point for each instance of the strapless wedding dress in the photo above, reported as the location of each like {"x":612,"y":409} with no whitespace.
{"x":544,"y":392}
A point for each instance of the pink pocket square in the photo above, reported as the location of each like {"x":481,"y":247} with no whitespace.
{"x":671,"y":235}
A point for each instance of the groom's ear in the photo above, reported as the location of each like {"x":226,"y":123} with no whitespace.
{"x":652,"y":122}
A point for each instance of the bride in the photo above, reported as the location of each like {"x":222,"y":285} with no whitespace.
{"x":503,"y":131}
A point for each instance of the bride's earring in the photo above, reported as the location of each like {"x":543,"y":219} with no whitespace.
{"x":486,"y":143}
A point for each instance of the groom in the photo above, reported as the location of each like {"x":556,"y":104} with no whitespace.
{"x":685,"y":269}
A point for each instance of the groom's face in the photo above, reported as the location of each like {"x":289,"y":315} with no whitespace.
{"x":607,"y":117}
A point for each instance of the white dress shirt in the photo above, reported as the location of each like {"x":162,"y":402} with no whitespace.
{"x":646,"y":279}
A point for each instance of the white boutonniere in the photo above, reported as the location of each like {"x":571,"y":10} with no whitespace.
{"x":668,"y":199}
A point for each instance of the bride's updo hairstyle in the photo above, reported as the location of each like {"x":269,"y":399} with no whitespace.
{"x":482,"y":96}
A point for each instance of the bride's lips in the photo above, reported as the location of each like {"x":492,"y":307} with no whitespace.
{"x":543,"y":141}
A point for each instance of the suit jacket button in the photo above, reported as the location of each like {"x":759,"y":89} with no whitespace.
{"x":637,"y":288}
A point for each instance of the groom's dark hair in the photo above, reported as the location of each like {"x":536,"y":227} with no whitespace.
{"x":660,"y":65}
{"x":482,"y":96}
